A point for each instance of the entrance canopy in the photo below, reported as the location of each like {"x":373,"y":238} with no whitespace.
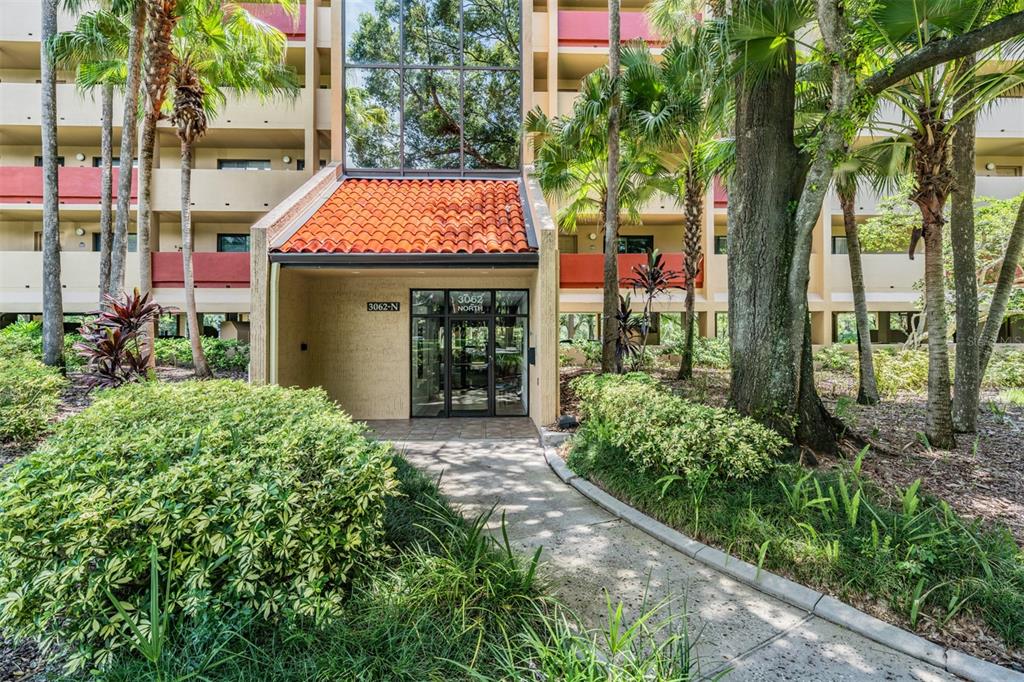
{"x":391,"y":221}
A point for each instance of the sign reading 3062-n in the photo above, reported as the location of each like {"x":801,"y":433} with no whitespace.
{"x":382,"y":306}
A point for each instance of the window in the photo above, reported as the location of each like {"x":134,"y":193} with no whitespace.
{"x":97,"y":162}
{"x":567,"y":243}
{"x":721,"y":244}
{"x":38,"y":161}
{"x":636,"y":244}
{"x":839,"y":246}
{"x":300,"y":164}
{"x":133,"y":243}
{"x":233,"y":243}
{"x":243,"y":164}
{"x":432,"y":85}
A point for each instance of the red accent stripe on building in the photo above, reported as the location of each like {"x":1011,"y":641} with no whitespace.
{"x":586,"y":270}
{"x":24,"y":185}
{"x":590,"y":29}
{"x":211,"y":270}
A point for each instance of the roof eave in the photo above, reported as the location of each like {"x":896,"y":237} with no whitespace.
{"x":522,"y":259}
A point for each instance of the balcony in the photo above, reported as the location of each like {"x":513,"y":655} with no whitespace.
{"x":719,"y":193}
{"x":580,"y":28}
{"x":586,"y":270}
{"x":888,"y":277}
{"x":293,"y":28}
{"x":24,"y":185}
{"x":869,"y":200}
{"x":210,"y":270}
{"x":21,"y":280}
{"x":225,"y":190}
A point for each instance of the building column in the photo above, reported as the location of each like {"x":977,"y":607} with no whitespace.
{"x":337,"y":82}
{"x":311,"y":142}
{"x":258,"y":307}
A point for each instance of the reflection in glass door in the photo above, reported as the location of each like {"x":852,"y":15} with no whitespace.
{"x":470,"y":367}
{"x":510,"y":368}
{"x":428,"y":367}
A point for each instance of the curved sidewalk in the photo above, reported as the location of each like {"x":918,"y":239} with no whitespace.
{"x":588,"y":550}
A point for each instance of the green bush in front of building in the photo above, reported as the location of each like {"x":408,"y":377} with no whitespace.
{"x":258,"y":498}
{"x":222,"y":354}
{"x":29,"y":395}
{"x":659,"y":431}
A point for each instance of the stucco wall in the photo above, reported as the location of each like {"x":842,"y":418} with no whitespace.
{"x":362,"y":358}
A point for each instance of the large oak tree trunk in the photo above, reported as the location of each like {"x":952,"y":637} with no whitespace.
{"x":199,"y":364}
{"x":867,"y":391}
{"x":1001,"y":295}
{"x":106,"y":188}
{"x":53,"y":303}
{"x":611,"y":222}
{"x":966,"y":381}
{"x":119,"y":249}
{"x":693,"y":215}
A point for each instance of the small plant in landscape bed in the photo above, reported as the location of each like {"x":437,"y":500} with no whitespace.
{"x":27,"y":338}
{"x":665,"y":434}
{"x":831,"y":530}
{"x":29,"y":395}
{"x":259,"y":500}
{"x":836,"y":359}
{"x":898,"y":371}
{"x":707,"y":352}
{"x":222,"y":354}
{"x":112,"y":341}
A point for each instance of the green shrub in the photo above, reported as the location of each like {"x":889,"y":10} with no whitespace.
{"x":897,"y":371}
{"x":707,"y":352}
{"x":261,"y":498}
{"x":659,"y":431}
{"x":222,"y":354}
{"x":27,"y":338}
{"x":591,"y":351}
{"x":1005,"y":370}
{"x":29,"y":394}
{"x":835,"y":358}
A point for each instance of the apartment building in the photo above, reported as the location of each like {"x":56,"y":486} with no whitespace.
{"x":269,"y":194}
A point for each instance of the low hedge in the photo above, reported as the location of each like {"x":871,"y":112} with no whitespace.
{"x":259,"y":498}
{"x":29,"y":395}
{"x":659,"y":431}
{"x":222,"y":354}
{"x":27,"y":338}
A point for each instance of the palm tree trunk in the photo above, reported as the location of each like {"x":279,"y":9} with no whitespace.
{"x":119,"y":249}
{"x":966,"y":380}
{"x":145,"y":216}
{"x":867,"y":391}
{"x":53,"y":304}
{"x":106,"y":188}
{"x":611,"y":222}
{"x":939,"y":419}
{"x":201,"y":368}
{"x":694,"y":213}
{"x":1001,"y":295}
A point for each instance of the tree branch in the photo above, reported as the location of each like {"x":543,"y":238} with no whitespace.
{"x":940,"y":51}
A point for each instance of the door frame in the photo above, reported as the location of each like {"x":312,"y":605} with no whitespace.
{"x":447,"y":319}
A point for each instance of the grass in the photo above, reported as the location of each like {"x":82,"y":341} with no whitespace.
{"x":449,"y":603}
{"x":834,"y":532}
{"x":1014,"y":396}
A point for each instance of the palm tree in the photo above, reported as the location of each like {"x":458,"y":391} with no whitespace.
{"x":572,"y":169}
{"x":611,"y":213}
{"x":879,"y":164}
{"x":932,"y":103}
{"x":223,"y":47}
{"x":683,"y":106}
{"x":97,"y":47}
{"x":53,"y":304}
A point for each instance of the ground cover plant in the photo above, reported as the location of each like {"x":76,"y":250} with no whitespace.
{"x":256,"y":498}
{"x":913,"y":561}
{"x":222,"y":354}
{"x":29,"y":394}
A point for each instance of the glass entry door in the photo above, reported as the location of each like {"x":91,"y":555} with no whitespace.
{"x":471,"y":367}
{"x":469,"y":353}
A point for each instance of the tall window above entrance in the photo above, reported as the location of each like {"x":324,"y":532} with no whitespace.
{"x":432,"y":85}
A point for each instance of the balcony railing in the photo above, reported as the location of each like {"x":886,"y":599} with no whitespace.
{"x":210,"y":270}
{"x":24,"y":185}
{"x":590,"y":29}
{"x":586,"y":270}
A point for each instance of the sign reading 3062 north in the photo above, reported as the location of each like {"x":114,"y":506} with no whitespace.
{"x":382,"y":306}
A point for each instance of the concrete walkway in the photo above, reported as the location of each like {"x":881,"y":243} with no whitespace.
{"x":587,"y":551}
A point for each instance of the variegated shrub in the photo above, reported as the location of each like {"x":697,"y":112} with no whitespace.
{"x":258,"y":497}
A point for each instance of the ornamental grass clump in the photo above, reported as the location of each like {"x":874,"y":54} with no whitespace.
{"x":661,"y":432}
{"x":262,"y":499}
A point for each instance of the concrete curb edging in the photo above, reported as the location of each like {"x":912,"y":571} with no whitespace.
{"x":795,"y":594}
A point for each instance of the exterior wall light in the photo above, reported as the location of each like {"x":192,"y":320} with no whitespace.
{"x":990,"y":166}
{"x":80,"y":232}
{"x":591,"y":236}
{"x":80,"y":156}
{"x":286,"y":159}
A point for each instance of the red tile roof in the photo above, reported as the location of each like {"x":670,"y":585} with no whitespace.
{"x":415,"y":216}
